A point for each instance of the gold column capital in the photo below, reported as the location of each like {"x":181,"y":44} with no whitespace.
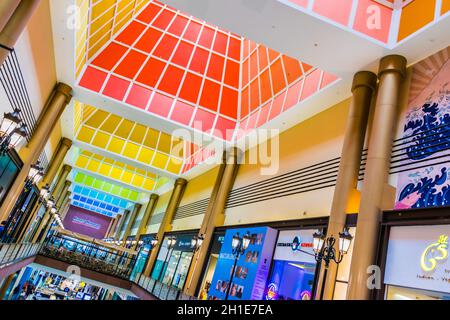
{"x":65,"y":90}
{"x":67,"y":168}
{"x":67,"y":142}
{"x":364,"y":79}
{"x":154,"y":196}
{"x":392,"y":63}
{"x":181,"y":182}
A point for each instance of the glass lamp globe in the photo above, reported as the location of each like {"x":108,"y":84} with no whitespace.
{"x":345,"y":239}
{"x":318,"y":240}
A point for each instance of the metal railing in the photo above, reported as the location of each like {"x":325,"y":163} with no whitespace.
{"x":11,"y":253}
{"x":89,"y":256}
{"x":160,"y":290}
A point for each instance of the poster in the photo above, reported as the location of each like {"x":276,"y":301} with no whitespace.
{"x":424,"y":152}
{"x":252,"y":268}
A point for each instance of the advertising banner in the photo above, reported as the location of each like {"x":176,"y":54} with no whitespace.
{"x":252,"y":267}
{"x":86,"y":222}
{"x":417,"y":258}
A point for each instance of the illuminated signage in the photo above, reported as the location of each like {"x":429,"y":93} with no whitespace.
{"x":272,"y":291}
{"x":296,"y":244}
{"x":435,"y":252}
{"x":306,"y":295}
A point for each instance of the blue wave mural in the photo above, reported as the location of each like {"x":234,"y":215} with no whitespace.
{"x":427,"y":123}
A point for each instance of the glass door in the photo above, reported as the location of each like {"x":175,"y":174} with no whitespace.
{"x":171,"y":267}
{"x":182,"y":270}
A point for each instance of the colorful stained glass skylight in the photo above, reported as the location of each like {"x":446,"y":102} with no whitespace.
{"x":185,"y":70}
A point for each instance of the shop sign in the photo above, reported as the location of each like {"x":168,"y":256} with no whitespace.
{"x":295,"y":245}
{"x":417,"y":257}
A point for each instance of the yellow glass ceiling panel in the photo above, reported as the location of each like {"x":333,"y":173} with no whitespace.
{"x":125,"y":173}
{"x":165,"y":142}
{"x":110,"y":124}
{"x":101,"y":139}
{"x":160,"y":160}
{"x":105,"y":169}
{"x":138,"y":133}
{"x":127,"y":177}
{"x":131,"y":140}
{"x":93,"y":165}
{"x":131,"y":150}
{"x":85,"y":134}
{"x":146,"y":155}
{"x":116,"y":145}
{"x":151,"y":140}
{"x":116,"y":173}
{"x":174,"y":165}
{"x":124,"y":128}
{"x":97,"y":118}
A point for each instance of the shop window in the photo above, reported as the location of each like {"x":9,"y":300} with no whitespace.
{"x":8,"y":172}
{"x":417,"y":264}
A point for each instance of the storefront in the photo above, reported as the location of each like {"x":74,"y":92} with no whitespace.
{"x":10,"y":165}
{"x":279,"y":263}
{"x":144,"y":248}
{"x":210,"y":266}
{"x":415,"y":256}
{"x":293,"y":267}
{"x":174,"y":259}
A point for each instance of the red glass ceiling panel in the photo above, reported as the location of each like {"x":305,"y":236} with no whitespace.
{"x":179,"y":68}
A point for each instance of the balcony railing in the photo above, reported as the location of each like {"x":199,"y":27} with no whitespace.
{"x":89,"y":256}
{"x":160,"y":290}
{"x":11,"y":253}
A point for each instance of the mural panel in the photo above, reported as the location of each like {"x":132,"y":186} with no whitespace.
{"x":425,"y":145}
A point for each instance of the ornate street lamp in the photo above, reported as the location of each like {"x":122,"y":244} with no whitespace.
{"x":238,"y":246}
{"x":34,"y":176}
{"x":324,"y":250}
{"x":196,"y":242}
{"x":44,"y":193}
{"x":50,"y":202}
{"x":10,"y":122}
{"x":171,"y":242}
{"x":154,"y":241}
{"x":12,"y":133}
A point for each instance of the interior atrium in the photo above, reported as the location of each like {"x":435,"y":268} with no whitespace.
{"x":224,"y":150}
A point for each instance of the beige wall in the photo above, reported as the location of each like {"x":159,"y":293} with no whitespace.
{"x":35,"y":52}
{"x":308,"y":143}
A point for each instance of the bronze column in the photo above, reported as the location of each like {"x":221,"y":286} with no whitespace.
{"x":56,"y":161}
{"x":63,"y":196}
{"x":49,"y":117}
{"x":17,"y":22}
{"x":130,"y":224}
{"x":391,"y":72}
{"x":56,"y":193}
{"x":113,"y":227}
{"x":121,"y":224}
{"x":165,"y":226}
{"x":214,"y":216}
{"x":364,"y":85}
{"x":7,"y":8}
{"x":65,"y":206}
{"x":151,"y":205}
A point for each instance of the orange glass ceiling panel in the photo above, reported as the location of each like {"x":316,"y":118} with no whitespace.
{"x":108,"y":58}
{"x":131,"y":33}
{"x":175,"y":66}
